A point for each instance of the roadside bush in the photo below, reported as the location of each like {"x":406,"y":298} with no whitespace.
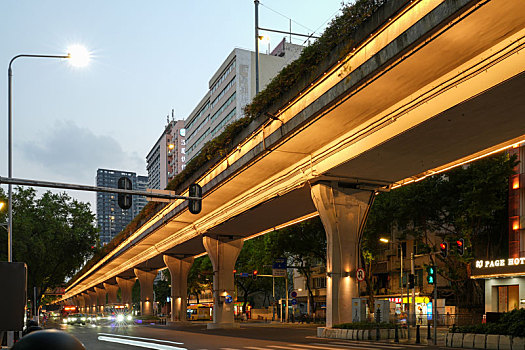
{"x":510,"y":323}
{"x":364,"y":325}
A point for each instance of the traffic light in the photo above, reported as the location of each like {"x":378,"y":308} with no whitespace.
{"x":444,"y":249}
{"x":460,"y":244}
{"x":411,"y":281}
{"x":195,"y":205}
{"x":431,"y":274}
{"x":124,"y":200}
{"x":254,"y":275}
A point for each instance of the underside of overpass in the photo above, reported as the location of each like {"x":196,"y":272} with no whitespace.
{"x":436,"y":84}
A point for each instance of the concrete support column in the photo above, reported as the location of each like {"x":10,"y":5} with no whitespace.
{"x":223,"y":256}
{"x":343,"y":212}
{"x":92,"y":307}
{"x":112,"y":290}
{"x":179,"y":269}
{"x":126,"y":286}
{"x":82,"y":299}
{"x":101,"y":298}
{"x":146,"y":279}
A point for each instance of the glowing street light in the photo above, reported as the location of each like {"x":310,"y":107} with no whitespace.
{"x":78,"y":56}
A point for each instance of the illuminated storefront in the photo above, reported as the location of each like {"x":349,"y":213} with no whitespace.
{"x":504,"y":283}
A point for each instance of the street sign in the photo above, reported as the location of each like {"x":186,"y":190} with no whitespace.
{"x":294,"y":301}
{"x":360,"y":274}
{"x":279,"y":272}
{"x":228,"y":299}
{"x":279,"y":263}
{"x":294,"y":294}
{"x":244,"y":274}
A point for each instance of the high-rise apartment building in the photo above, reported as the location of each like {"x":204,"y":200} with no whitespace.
{"x":110,"y":218}
{"x":230,"y":89}
{"x":167,"y":158}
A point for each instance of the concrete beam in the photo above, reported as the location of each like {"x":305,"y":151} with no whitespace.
{"x":343,"y":212}
{"x":223,"y":256}
{"x":179,"y":269}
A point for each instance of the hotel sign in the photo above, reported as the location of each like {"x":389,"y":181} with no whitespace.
{"x":498,"y":267}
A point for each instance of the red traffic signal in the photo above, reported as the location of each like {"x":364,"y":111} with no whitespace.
{"x":444,"y":248}
{"x":460,"y":245}
{"x":254,"y":274}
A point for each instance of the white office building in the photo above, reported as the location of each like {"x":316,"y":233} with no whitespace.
{"x":230,"y":89}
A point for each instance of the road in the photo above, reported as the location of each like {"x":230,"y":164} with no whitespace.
{"x":197,"y":337}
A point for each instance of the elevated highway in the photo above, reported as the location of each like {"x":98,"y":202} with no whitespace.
{"x":428,"y":85}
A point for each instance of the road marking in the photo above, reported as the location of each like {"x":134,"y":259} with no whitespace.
{"x":140,"y":338}
{"x":141,"y":344}
{"x":255,"y":348}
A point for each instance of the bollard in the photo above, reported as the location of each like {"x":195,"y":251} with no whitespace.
{"x":418,"y":338}
{"x":396,"y":338}
{"x":428,"y":334}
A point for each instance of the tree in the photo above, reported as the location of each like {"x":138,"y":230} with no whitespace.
{"x":253,"y":257}
{"x":304,"y":246}
{"x":53,"y":234}
{"x":467,"y":202}
{"x":200,"y":276}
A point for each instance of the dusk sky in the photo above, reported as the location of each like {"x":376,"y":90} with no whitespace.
{"x":148,"y":57}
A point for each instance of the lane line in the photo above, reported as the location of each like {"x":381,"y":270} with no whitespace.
{"x":140,"y":338}
{"x":141,"y":344}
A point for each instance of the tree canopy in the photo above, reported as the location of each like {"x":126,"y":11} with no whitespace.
{"x":53,"y":234}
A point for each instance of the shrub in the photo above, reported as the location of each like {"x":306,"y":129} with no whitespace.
{"x":364,"y":325}
{"x":510,"y":323}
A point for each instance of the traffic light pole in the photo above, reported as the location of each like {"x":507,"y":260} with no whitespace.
{"x":167,"y":196}
{"x":434,"y":306}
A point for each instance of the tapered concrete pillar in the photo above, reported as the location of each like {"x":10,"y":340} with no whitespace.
{"x":101,"y":298}
{"x":82,"y":299}
{"x":179,"y":269}
{"x":92,"y":302}
{"x":343,"y":213}
{"x":146,"y":279}
{"x":223,"y":256}
{"x":111,"y":290}
{"x":126,"y":286}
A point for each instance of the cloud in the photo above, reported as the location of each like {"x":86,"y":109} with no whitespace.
{"x":75,"y":153}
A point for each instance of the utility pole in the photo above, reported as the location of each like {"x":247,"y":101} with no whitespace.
{"x":412,"y":271}
{"x":256,"y":2}
{"x":434,"y":306}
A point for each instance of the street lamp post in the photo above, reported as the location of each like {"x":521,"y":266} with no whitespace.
{"x":386,"y":240}
{"x":78,"y":56}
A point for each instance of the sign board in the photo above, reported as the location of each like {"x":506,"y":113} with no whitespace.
{"x":279,"y":263}
{"x":279,"y":272}
{"x":244,"y":274}
{"x":228,"y":299}
{"x":360,"y":274}
{"x":294,"y":301}
{"x":294,"y":294}
{"x":13,"y":295}
{"x":491,"y":268}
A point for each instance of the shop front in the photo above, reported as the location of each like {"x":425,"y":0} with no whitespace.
{"x":504,"y":283}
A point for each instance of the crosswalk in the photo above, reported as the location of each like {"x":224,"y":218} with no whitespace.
{"x":335,"y":345}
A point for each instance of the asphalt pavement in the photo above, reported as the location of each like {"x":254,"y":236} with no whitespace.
{"x":195,"y":336}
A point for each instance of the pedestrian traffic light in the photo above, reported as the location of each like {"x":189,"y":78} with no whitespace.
{"x":254,"y":274}
{"x":460,"y":245}
{"x":431,"y":274}
{"x":411,"y":281}
{"x":124,"y":200}
{"x":195,"y":205}
{"x":444,"y":249}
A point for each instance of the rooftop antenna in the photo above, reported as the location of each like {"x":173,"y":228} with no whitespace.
{"x":173,"y":114}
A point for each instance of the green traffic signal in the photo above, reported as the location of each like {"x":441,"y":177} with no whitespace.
{"x":431,"y":274}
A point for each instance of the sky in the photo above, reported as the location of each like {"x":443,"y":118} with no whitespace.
{"x":147,"y":58}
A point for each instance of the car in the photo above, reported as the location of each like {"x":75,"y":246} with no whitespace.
{"x":77,"y":319}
